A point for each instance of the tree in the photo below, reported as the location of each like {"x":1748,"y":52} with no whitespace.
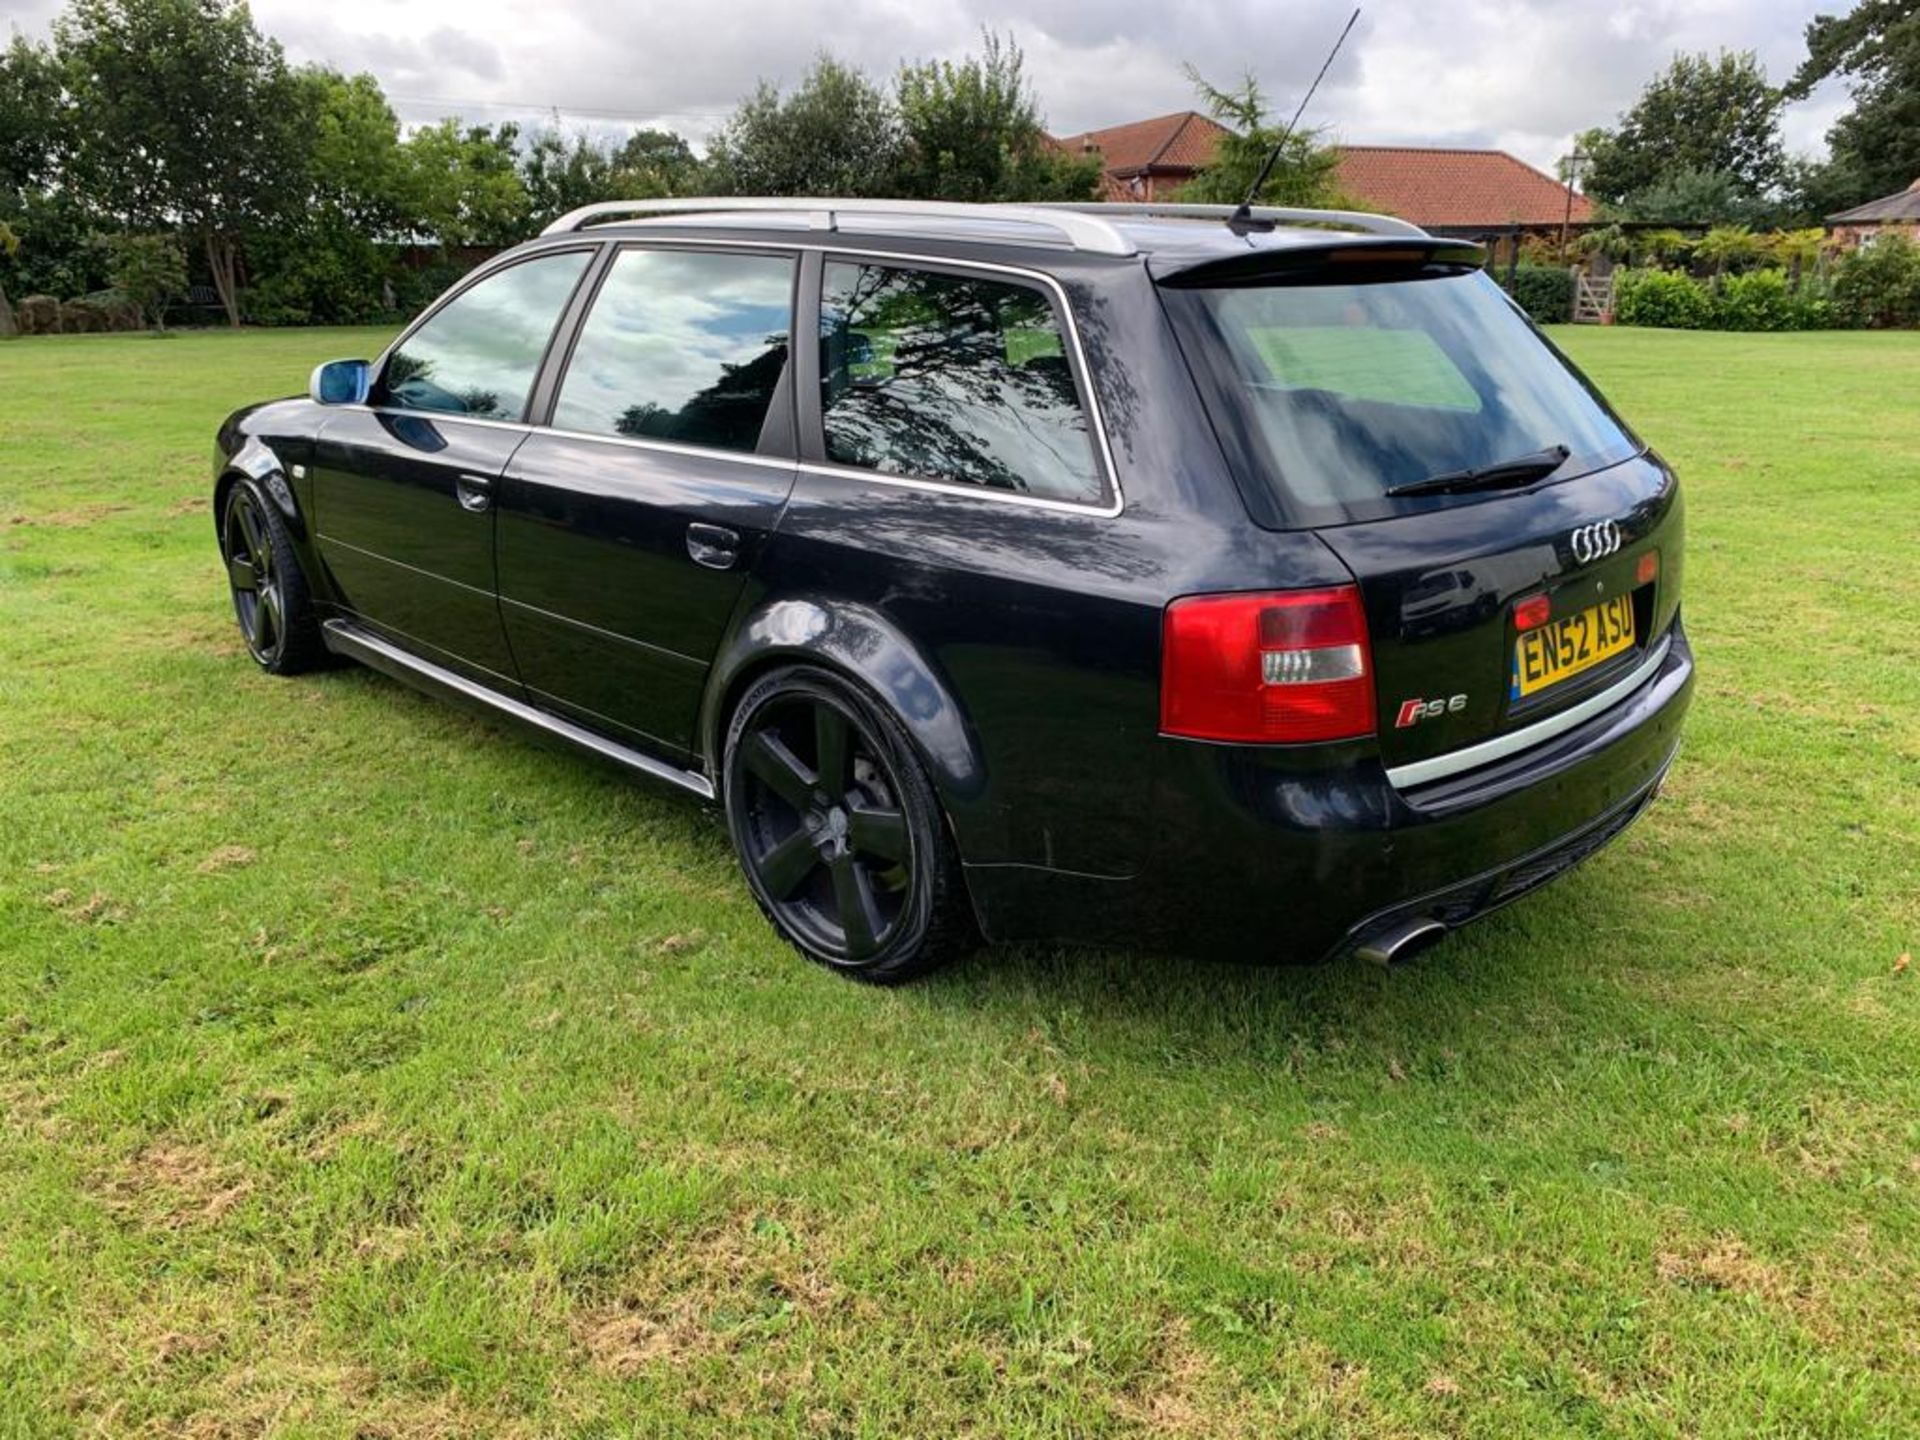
{"x":561,"y":175}
{"x":191,"y":120}
{"x":463,"y":186}
{"x":47,"y":226}
{"x":323,"y":263}
{"x":149,"y":270}
{"x":355,"y":166}
{"x":1697,"y":197}
{"x":1303,"y":174}
{"x":31,"y":118}
{"x":655,"y":162}
{"x":973,"y":132}
{"x":1701,"y":114}
{"x":836,"y":134}
{"x":1876,"y":145}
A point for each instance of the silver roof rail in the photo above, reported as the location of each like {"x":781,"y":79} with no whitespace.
{"x":1078,"y":229}
{"x":1279,"y":214}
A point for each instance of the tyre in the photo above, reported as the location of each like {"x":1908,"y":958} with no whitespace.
{"x":270,"y":596}
{"x":839,"y":831}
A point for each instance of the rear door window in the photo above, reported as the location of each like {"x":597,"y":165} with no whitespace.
{"x":477,"y":355}
{"x":682,"y":346}
{"x":952,"y":377}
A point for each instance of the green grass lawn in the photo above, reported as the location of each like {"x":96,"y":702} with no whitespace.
{"x":368,"y":1070}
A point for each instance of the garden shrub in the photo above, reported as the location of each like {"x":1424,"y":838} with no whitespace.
{"x":1545,"y":292}
{"x":1757,"y":300}
{"x":1662,"y":298}
{"x":1879,"y":284}
{"x":38,"y":315}
{"x":116,"y":310}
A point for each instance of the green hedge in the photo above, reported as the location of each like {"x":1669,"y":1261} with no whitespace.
{"x":1545,"y":292}
{"x":1661,"y":298}
{"x":1757,"y":300}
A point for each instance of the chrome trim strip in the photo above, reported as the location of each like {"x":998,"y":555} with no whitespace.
{"x":665,"y":447}
{"x":1455,"y":762}
{"x":955,"y":487}
{"x":439,"y":416}
{"x":350,"y":640}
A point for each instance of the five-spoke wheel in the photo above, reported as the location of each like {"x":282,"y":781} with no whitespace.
{"x":256,"y":589}
{"x":269,"y":592}
{"x":838,"y":829}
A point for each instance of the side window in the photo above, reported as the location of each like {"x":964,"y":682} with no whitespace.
{"x":951,"y":377}
{"x":686,"y":346}
{"x":479,"y":353}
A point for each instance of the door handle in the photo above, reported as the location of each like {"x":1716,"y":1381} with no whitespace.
{"x":475,"y":492}
{"x":713,"y":546}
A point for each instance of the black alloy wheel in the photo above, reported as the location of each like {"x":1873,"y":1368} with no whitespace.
{"x":838,"y":829}
{"x":270,"y":597}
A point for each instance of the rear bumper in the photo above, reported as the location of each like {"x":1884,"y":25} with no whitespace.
{"x":1290,"y":855}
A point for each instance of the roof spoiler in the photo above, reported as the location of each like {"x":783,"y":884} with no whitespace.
{"x":1361,"y":256}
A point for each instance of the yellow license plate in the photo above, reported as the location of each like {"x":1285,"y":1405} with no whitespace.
{"x":1550,"y":654}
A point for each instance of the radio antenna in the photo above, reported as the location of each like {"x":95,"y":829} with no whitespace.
{"x":1242,"y":218}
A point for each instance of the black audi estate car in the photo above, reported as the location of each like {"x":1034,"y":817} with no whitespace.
{"x":1263,"y":587}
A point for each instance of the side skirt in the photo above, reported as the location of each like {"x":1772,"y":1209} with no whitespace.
{"x":343,"y":637}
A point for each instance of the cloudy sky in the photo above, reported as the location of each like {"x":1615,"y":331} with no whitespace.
{"x":1520,"y":74}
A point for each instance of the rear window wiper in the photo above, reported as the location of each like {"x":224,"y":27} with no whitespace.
{"x":1521,"y":470}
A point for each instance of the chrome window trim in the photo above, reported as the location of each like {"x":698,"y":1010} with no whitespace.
{"x":1097,"y":420}
{"x":401,"y":412}
{"x":1455,"y":762}
{"x":956,"y":487}
{"x":670,"y":447}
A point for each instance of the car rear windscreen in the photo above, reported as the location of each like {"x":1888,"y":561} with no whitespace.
{"x":1336,"y":394}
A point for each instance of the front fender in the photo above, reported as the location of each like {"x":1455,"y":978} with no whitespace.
{"x":255,"y":458}
{"x":865,"y":645}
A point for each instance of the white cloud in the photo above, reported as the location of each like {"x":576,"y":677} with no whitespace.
{"x":1521,"y":74}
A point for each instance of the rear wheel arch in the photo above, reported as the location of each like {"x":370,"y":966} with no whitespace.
{"x":865,"y":648}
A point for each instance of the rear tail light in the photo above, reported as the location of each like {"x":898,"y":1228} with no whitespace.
{"x":1532,"y":612}
{"x":1278,"y":667}
{"x":1649,"y":567}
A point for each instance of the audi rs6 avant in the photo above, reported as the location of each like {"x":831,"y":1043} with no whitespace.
{"x":1262,"y":588}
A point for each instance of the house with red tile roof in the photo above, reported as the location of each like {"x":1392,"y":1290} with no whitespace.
{"x":1450,"y":188}
{"x":1455,"y":189}
{"x":1149,"y":159}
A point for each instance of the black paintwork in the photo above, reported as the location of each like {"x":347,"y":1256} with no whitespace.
{"x":636,"y":588}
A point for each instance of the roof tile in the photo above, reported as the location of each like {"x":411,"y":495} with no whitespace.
{"x":1427,"y":185}
{"x":1184,"y":140}
{"x":1455,"y":187}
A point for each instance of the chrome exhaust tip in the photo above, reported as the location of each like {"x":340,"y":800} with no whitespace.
{"x":1400,"y":943}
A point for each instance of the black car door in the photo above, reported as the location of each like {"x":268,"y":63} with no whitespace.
{"x":404,"y":486}
{"x":628,"y":524}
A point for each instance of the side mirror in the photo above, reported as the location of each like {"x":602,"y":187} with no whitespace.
{"x":341,"y":382}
